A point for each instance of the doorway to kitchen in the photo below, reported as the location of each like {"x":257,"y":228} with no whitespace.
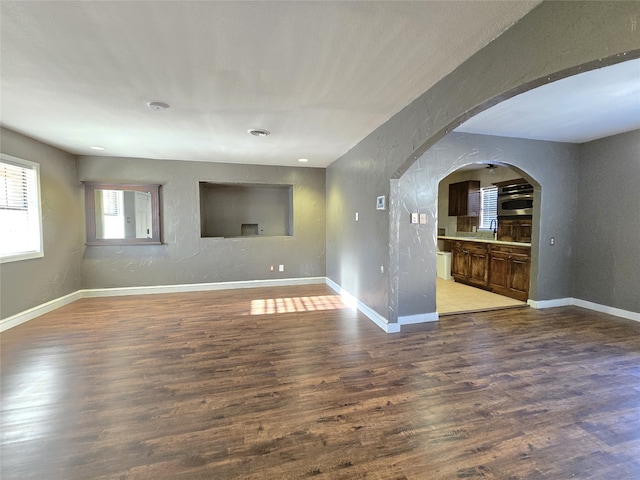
{"x":491,"y":267}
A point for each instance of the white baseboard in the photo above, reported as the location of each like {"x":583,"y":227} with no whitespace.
{"x":30,"y":314}
{"x":558,"y":302}
{"x":198,"y":287}
{"x":564,"y":302}
{"x":617,"y":312}
{"x":419,"y":318}
{"x":371,"y":314}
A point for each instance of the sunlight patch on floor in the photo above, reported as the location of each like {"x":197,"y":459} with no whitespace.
{"x":269,"y":306}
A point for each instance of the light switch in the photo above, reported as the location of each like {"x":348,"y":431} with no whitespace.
{"x":356,"y":216}
{"x":423,"y":219}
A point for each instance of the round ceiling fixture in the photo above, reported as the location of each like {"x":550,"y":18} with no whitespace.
{"x":158,"y":106}
{"x":259,"y":132}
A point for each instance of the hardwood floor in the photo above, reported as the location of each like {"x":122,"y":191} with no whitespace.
{"x":219,"y":385}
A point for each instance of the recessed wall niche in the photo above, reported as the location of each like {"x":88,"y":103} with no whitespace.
{"x":245,"y":210}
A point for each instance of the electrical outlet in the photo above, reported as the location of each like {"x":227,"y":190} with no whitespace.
{"x":281,"y":268}
{"x":414,"y":218}
{"x":381,"y":268}
{"x":271,"y":268}
{"x":552,"y":241}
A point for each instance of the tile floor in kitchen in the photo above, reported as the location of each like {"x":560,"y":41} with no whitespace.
{"x":452,"y":297}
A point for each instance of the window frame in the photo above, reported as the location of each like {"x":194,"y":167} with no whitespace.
{"x":37,"y":205}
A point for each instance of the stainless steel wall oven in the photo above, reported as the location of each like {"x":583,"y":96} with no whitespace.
{"x":515,"y":200}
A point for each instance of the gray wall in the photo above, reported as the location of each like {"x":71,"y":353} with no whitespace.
{"x":607,"y":253}
{"x":554,"y":40}
{"x":186,"y":258}
{"x":28,"y":283}
{"x":551,"y":167}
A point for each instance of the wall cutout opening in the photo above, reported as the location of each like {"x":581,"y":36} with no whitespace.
{"x":245,"y":210}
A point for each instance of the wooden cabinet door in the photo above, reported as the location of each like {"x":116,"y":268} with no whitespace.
{"x":506,"y":230}
{"x":454,"y":199}
{"x":464,"y":198}
{"x":478,"y":266}
{"x":523,"y":233}
{"x":459,"y":262}
{"x":472,"y":199}
{"x":499,"y":272}
{"x":520,"y":266}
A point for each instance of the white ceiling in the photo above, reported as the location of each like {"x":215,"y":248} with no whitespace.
{"x":577,"y":109}
{"x":319,"y":75}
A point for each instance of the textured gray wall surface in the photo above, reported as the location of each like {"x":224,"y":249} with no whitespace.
{"x":607,"y":253}
{"x":553,"y":41}
{"x":550,"y":166}
{"x":28,"y":283}
{"x":186,"y":258}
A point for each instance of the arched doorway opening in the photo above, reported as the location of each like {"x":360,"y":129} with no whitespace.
{"x":484,"y":255}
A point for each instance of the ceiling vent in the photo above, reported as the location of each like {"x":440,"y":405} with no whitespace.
{"x":259,"y":132}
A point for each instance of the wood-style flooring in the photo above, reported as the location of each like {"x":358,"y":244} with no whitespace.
{"x":287,"y":383}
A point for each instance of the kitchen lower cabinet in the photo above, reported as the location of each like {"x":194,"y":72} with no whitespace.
{"x":503,"y":269}
{"x":509,"y":271}
{"x":470,"y":263}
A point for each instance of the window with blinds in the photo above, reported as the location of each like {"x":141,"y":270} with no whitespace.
{"x":20,"y":222}
{"x":488,"y":207}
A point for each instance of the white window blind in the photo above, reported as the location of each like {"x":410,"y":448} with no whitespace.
{"x":20,"y":222}
{"x":112,"y":202}
{"x":488,"y":207}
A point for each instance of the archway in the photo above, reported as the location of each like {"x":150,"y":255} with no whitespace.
{"x":546,"y":165}
{"x":488,"y":252}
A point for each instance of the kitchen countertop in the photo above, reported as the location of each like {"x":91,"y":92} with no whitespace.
{"x":485,"y":240}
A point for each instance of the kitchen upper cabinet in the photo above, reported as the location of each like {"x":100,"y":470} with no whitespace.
{"x":464,"y":198}
{"x":515,"y":230}
{"x":509,"y":271}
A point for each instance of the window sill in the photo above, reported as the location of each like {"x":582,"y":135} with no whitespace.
{"x":21,"y":256}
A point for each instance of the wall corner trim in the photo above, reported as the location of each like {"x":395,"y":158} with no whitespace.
{"x":418,"y":318}
{"x":374,"y":316}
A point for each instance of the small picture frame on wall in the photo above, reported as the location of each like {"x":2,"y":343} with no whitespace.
{"x":380,"y":203}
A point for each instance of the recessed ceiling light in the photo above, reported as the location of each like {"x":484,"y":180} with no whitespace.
{"x":158,"y":106}
{"x":303,"y":160}
{"x":259,"y":132}
{"x":97,"y":148}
